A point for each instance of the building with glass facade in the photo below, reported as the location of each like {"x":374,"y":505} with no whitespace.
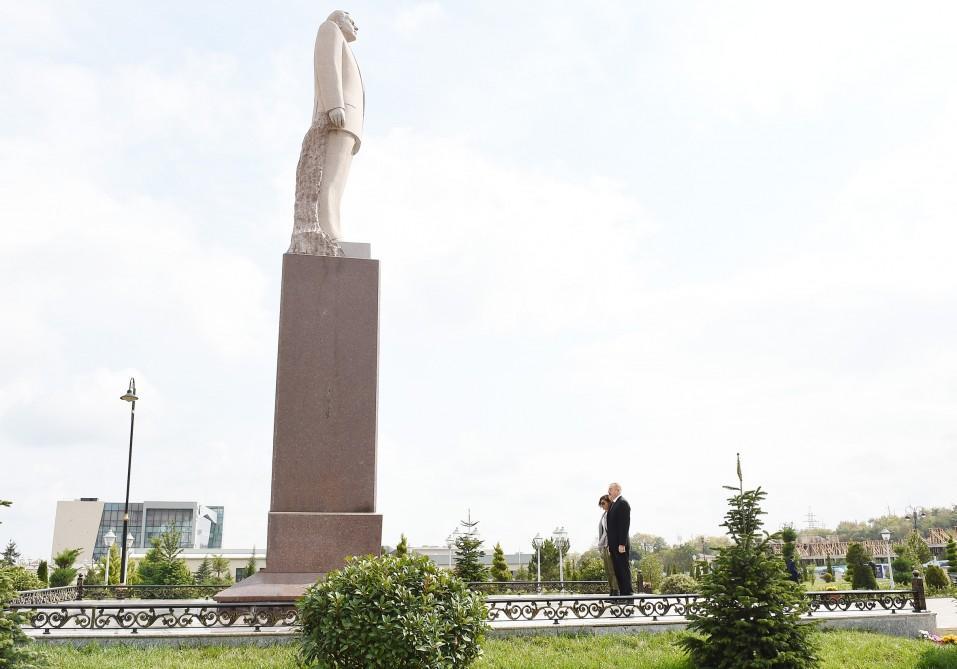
{"x":83,"y":523}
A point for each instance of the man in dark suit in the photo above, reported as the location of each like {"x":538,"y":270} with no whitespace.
{"x":619,"y":525}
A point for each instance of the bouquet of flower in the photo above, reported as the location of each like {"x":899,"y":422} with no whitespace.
{"x":942,"y":640}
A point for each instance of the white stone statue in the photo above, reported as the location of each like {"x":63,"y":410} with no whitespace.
{"x":331,"y":141}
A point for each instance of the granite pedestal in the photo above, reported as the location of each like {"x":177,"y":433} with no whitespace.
{"x":323,"y":498}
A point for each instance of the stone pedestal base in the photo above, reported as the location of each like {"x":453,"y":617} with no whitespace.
{"x":319,"y":542}
{"x":322,"y":505}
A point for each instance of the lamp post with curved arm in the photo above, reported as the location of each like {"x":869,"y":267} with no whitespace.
{"x":130,"y":397}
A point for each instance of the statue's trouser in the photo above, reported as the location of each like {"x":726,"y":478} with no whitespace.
{"x":320,"y":181}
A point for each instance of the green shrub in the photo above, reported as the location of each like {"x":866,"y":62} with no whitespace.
{"x":858,"y":565}
{"x":16,"y":649}
{"x":678,"y":584}
{"x":43,"y":572}
{"x":22,"y":579}
{"x":936,"y":578}
{"x":391,"y":611}
{"x":828,"y":577}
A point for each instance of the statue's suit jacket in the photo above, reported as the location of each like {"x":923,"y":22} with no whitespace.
{"x":338,"y":82}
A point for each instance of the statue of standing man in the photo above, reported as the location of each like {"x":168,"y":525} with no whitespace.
{"x":331,"y":141}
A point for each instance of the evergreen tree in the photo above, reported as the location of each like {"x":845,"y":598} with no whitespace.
{"x":549,"y":562}
{"x":937,"y":579}
{"x":114,"y":557}
{"x":858,"y":564}
{"x":220,"y":567}
{"x":403,"y":547}
{"x":162,"y":564}
{"x":468,"y":556}
{"x":902,"y":565}
{"x":203,"y":573}
{"x":919,"y":549}
{"x":500,"y":570}
{"x":251,"y":567}
{"x":43,"y":572}
{"x":10,"y":554}
{"x":830,"y":567}
{"x":651,"y":570}
{"x":951,"y":555}
{"x":750,"y":613}
{"x":65,"y":572}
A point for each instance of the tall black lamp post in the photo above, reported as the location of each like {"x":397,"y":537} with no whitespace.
{"x":130,"y":397}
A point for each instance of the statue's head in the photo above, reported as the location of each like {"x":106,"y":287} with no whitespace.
{"x":348,"y":27}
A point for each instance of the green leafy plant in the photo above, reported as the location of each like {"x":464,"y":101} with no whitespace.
{"x":652,"y":571}
{"x":936,"y":578}
{"x":403,"y":547}
{"x":903,"y":565}
{"x":65,"y":572}
{"x":43,"y":572}
{"x":919,"y":548}
{"x":16,"y":649}
{"x":750,"y":614}
{"x":862,"y":576}
{"x":391,"y":611}
{"x":251,"y":567}
{"x":678,"y":584}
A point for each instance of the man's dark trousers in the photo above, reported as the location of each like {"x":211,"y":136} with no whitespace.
{"x":619,"y":524}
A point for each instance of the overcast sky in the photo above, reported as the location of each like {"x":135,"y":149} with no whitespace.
{"x":618,"y":240}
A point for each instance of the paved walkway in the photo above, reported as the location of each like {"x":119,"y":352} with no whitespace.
{"x":946,"y":610}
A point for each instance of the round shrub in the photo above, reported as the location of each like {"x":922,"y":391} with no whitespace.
{"x":828,"y":577}
{"x":22,"y":579}
{"x":391,"y":611}
{"x":678,"y":584}
{"x":936,"y":578}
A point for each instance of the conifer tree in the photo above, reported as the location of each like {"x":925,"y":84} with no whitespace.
{"x":10,"y":554}
{"x":750,"y":613}
{"x":862,"y":576}
{"x":43,"y":572}
{"x":830,"y":567}
{"x":468,"y":556}
{"x":951,"y":555}
{"x":251,"y":567}
{"x":500,"y":570}
{"x":403,"y":547}
{"x":203,"y":573}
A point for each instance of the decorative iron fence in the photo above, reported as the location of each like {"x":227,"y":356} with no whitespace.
{"x":653,"y":607}
{"x":134,"y":617}
{"x":81,"y":592}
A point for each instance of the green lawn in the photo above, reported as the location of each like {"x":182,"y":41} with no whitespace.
{"x":840,"y":650}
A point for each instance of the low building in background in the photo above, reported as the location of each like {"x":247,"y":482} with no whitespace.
{"x":238,"y":558}
{"x":83,"y":523}
{"x":444,"y":559}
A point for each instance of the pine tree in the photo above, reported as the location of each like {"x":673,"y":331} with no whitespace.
{"x":43,"y":572}
{"x":162,"y":564}
{"x":10,"y":554}
{"x":468,"y":556}
{"x":750,"y":613}
{"x":862,"y":576}
{"x":403,"y":547}
{"x":902,"y":565}
{"x":204,"y":572}
{"x":951,"y":555}
{"x":251,"y":567}
{"x":500,"y":570}
{"x":830,"y":567}
{"x":220,"y":567}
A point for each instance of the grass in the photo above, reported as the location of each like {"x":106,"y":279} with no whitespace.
{"x":839,"y":650}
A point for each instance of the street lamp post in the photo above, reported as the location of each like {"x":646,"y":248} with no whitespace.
{"x":130,"y":397}
{"x":108,"y":540}
{"x":912,"y":513}
{"x":450,"y":542}
{"x":886,"y":536}
{"x":560,"y":537}
{"x":537,"y":542}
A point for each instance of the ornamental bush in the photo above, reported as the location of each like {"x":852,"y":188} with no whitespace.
{"x":678,"y":584}
{"x":391,"y":611}
{"x":16,"y":649}
{"x":936,"y":578}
